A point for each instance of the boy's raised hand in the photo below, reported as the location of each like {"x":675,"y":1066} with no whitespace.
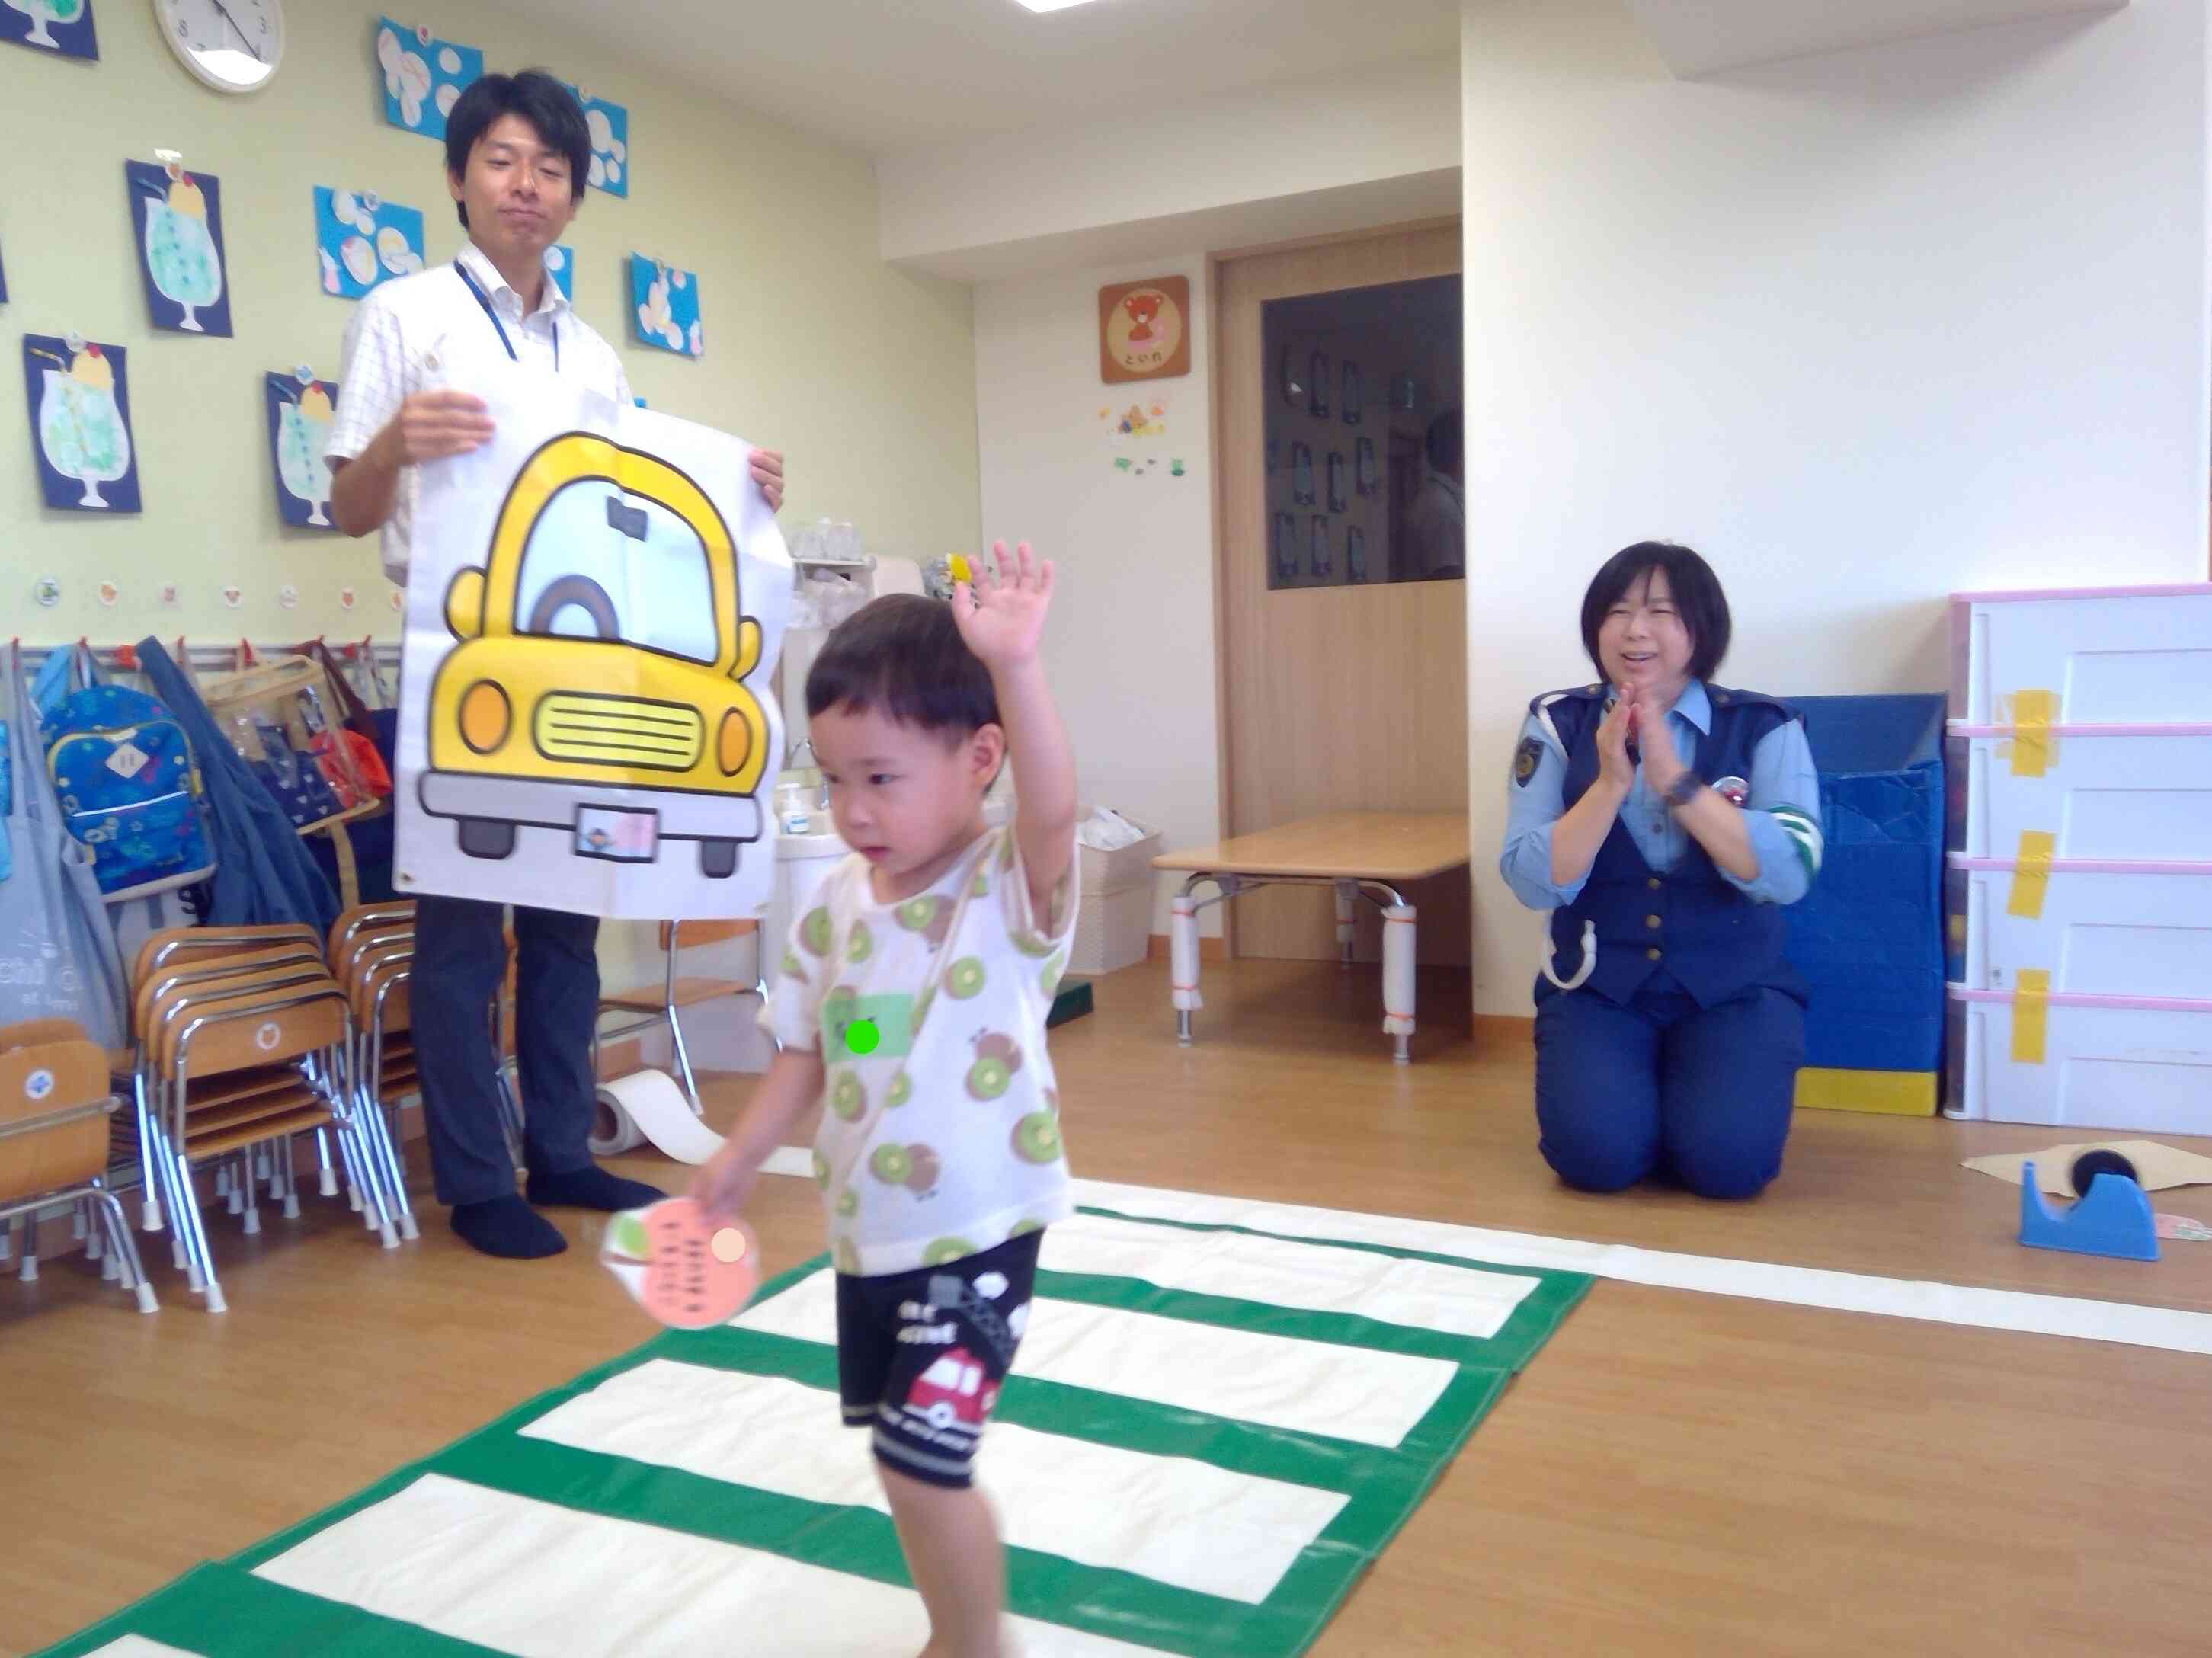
{"x":1001,"y":614}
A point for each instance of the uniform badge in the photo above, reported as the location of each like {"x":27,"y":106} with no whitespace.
{"x":1526,"y":759}
{"x":1733,"y":790}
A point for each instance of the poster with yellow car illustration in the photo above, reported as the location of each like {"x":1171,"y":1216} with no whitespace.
{"x":594,"y":607}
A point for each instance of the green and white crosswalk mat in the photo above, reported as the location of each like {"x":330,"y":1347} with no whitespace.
{"x":1210,"y":1433}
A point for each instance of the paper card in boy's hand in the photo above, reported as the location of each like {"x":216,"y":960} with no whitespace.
{"x":594,"y":606}
{"x":689,"y":1273}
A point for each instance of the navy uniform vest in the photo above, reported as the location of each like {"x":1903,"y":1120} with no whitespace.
{"x":1688,"y":921}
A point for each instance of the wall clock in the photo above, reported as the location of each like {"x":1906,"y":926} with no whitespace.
{"x":233,"y":46}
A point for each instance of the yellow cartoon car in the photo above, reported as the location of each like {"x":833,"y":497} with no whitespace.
{"x":598,"y":686}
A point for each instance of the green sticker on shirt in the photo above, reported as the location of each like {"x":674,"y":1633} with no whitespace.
{"x":867,"y":1027}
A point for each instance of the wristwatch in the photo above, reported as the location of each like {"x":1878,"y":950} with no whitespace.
{"x":1684,"y":788}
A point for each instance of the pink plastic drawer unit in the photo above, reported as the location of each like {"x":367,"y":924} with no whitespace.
{"x":2101,"y":798}
{"x":2107,"y":656}
{"x":2079,"y":879}
{"x":2082,"y":1062}
{"x":2098,"y":929}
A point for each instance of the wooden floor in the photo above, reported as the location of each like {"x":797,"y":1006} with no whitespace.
{"x":1676,"y":1474}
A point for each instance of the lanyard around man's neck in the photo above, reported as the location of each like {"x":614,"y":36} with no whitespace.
{"x":500,"y":328}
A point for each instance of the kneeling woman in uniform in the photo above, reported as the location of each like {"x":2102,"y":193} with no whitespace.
{"x":1664,"y":822}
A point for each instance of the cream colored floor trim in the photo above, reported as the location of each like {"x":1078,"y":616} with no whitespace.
{"x":2029,"y":1313}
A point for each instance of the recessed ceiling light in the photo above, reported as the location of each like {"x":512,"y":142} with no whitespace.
{"x":1053,"y":5}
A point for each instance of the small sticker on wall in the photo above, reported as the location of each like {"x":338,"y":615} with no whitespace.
{"x":288,"y":596}
{"x":168,"y":595}
{"x":47,"y":592}
{"x":234,"y":597}
{"x":109,"y":593}
{"x":1141,"y":421}
{"x":346,"y":598}
{"x":398,"y":598}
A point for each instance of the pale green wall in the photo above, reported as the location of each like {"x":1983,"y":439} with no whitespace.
{"x":865,"y":374}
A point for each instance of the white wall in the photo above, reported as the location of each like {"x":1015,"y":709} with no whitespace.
{"x":1697,"y":37}
{"x":1866,"y":329}
{"x":980,"y":208}
{"x":1130,"y":644}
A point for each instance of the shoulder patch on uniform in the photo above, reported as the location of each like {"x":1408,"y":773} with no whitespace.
{"x":1803,"y":831}
{"x":1526,"y":759}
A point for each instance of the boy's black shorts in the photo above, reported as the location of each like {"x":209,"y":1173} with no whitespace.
{"x":921,"y":1355}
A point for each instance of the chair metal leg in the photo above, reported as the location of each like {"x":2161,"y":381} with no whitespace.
{"x":289,"y":1163}
{"x":123,"y":1250}
{"x":510,"y":1113}
{"x":326,"y":1176}
{"x":199,"y":1266}
{"x":245,"y":1190}
{"x":383,"y":1128}
{"x":386,"y":1125}
{"x":149,"y":1209}
{"x":353,"y":1145}
{"x":683,"y":1062}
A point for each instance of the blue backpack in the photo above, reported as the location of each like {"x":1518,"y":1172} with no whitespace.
{"x":128,"y":783}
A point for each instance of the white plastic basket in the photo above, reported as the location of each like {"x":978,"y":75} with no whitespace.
{"x":1114,"y":923}
{"x":1113,"y":930}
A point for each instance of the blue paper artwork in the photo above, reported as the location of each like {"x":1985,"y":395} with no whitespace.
{"x":561,"y":266}
{"x":299,"y":410}
{"x":80,"y":424}
{"x":361,"y":241}
{"x":609,"y":124}
{"x":176,"y":220}
{"x":664,"y":307}
{"x":423,"y":76}
{"x":57,"y":25}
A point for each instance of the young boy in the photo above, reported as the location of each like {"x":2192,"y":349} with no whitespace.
{"x":916,"y":994}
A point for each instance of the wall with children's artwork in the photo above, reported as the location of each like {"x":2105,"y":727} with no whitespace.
{"x":1115,"y":484}
{"x":1866,"y":328}
{"x":862,"y":372}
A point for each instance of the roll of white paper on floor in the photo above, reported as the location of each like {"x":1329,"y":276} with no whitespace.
{"x":647,"y":1105}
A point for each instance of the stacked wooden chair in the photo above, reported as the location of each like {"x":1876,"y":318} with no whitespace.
{"x":245,"y":1043}
{"x":371,"y":957}
{"x":651,"y":1006}
{"x":55,"y":1102}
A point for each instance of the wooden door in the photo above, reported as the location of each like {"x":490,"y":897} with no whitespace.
{"x":1335,"y":697}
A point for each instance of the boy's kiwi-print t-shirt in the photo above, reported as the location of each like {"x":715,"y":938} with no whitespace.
{"x":940,"y":1122}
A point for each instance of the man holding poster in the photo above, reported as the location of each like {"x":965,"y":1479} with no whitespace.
{"x":590,"y":588}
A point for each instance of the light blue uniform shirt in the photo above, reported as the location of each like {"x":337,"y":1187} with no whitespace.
{"x":1782,"y":776}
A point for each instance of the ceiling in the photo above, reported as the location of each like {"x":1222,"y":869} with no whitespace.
{"x":881,"y":76}
{"x":1706,"y":37}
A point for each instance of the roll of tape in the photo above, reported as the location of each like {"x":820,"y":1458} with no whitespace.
{"x":647,"y":1105}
